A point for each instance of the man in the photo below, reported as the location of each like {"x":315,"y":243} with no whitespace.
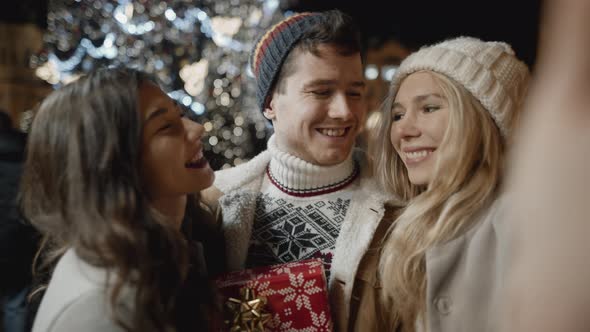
{"x":18,"y":241}
{"x":308,"y":195}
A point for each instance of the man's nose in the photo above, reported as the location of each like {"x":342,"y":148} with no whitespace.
{"x":340,"y":108}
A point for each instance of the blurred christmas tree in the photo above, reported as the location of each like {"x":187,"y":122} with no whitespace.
{"x":197,"y":49}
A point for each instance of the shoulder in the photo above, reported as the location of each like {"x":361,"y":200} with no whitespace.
{"x":500,"y":218}
{"x":73,"y":282}
{"x":369,"y":188}
{"x":231,"y":179}
{"x":489,"y":228}
{"x":497,"y":212}
{"x":88,"y":312}
{"x":209,"y":198}
{"x":236,"y":177}
{"x":12,"y":146}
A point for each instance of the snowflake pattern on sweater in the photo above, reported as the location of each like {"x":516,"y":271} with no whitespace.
{"x":291,"y":230}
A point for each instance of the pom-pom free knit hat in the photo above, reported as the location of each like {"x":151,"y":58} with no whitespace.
{"x":273,"y":47}
{"x":488,"y":70}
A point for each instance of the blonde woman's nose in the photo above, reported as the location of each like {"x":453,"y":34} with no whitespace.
{"x":407,"y":126}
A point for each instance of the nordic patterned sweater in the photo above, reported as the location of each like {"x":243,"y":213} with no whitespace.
{"x":299,"y":210}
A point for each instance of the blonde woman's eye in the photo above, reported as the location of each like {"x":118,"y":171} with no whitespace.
{"x":430,"y":109}
{"x":397,"y":117}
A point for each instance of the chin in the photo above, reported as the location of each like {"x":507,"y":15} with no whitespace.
{"x":332,"y":158}
{"x":203,"y":181}
{"x":419,"y":181}
{"x":211,"y":180}
{"x":208,"y":182}
{"x":329,"y":161}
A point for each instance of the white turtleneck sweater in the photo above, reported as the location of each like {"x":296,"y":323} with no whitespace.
{"x":299,"y":210}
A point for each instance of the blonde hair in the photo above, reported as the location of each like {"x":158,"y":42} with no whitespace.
{"x":431,"y":216}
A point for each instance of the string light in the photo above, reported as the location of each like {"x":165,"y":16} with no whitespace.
{"x":197,"y":50}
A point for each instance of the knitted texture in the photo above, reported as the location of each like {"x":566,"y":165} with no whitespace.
{"x":488,"y":70}
{"x":288,"y":228}
{"x":300,"y":209}
{"x":273,"y":47}
{"x":297,"y":177}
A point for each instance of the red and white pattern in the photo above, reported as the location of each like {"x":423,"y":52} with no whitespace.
{"x":296,"y":293}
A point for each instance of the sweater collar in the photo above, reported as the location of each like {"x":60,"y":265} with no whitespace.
{"x":298,"y":177}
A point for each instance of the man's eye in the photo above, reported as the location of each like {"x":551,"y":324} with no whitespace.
{"x":322,"y":93}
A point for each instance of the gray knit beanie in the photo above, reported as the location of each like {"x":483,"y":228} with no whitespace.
{"x":272,"y":48}
{"x":488,"y":70}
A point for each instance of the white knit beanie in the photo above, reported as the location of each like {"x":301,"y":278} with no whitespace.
{"x":488,"y":70}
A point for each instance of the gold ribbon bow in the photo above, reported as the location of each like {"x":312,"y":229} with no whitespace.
{"x":247,"y":312}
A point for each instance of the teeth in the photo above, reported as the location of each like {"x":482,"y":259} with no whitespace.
{"x":197,"y":157}
{"x":333,"y":132}
{"x":417,"y":154}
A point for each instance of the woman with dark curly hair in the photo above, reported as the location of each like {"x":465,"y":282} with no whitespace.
{"x":111,"y":166}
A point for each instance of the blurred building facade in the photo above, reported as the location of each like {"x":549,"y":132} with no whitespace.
{"x":20,"y":89}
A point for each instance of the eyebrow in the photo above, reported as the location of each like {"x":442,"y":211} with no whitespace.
{"x":155,"y":113}
{"x":426,"y":96}
{"x":418,"y":99}
{"x":316,"y":83}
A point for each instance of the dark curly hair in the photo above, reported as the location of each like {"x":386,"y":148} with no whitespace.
{"x":82,"y":189}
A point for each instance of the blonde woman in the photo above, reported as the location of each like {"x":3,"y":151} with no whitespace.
{"x":441,"y":148}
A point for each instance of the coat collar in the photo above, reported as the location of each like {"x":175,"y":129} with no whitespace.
{"x":240,"y":186}
{"x":246,"y":176}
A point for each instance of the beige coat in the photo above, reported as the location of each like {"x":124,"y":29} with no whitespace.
{"x":465,"y":279}
{"x":367,"y":310}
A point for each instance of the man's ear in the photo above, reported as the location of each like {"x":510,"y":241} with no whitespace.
{"x":269,"y":110}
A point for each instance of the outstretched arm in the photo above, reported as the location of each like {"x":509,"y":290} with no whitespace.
{"x":548,"y":284}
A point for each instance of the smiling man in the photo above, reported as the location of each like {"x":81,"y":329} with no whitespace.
{"x":307,"y":195}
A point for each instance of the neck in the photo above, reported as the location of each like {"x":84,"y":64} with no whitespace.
{"x":172,"y":208}
{"x":298,"y":177}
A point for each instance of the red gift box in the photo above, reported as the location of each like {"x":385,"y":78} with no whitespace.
{"x":294,"y":295}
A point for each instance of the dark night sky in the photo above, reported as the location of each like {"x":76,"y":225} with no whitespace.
{"x":412,"y":22}
{"x":419,"y":22}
